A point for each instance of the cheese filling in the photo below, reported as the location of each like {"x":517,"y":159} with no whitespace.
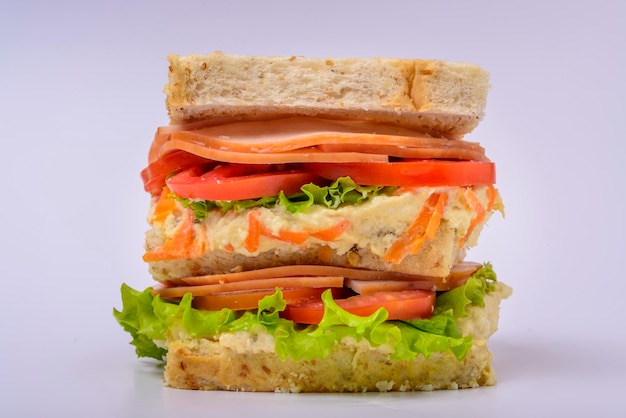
{"x":374,"y":225}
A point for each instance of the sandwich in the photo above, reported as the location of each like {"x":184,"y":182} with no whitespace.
{"x":308,"y":227}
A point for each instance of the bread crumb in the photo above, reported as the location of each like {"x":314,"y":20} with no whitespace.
{"x":385,"y":386}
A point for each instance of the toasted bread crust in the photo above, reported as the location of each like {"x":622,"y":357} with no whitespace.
{"x":438,"y":97}
{"x":351,"y":367}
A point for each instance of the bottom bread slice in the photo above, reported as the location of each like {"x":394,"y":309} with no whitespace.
{"x":351,"y":367}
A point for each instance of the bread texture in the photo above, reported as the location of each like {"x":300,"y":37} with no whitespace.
{"x":245,"y":361}
{"x":351,"y":367}
{"x":441,"y":98}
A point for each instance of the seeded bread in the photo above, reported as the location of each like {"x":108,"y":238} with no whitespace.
{"x":437,"y":97}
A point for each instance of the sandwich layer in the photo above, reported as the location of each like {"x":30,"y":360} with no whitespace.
{"x":246,"y":361}
{"x":376,"y":235}
{"x":438,"y":97}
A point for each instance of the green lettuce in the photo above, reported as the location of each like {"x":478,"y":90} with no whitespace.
{"x":140,"y":321}
{"x":150,"y":320}
{"x":344,"y":191}
{"x":472,"y":293}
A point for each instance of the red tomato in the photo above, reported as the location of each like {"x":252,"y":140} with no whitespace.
{"x":410,"y":173}
{"x":156,"y":173}
{"x":404,"y":304}
{"x":239,"y":181}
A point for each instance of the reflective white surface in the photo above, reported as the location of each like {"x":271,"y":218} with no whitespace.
{"x":82,"y":94}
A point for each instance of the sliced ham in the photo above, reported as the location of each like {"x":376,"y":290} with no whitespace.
{"x":315,"y":276}
{"x":265,"y":283}
{"x":297,"y":156}
{"x":367,"y":287}
{"x":427,"y":152}
{"x":458,"y":276}
{"x":303,"y":270}
{"x":288,"y":134}
{"x":298,"y":139}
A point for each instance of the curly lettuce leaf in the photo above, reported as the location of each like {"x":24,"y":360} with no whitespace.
{"x":137,"y":317}
{"x":471,"y":293}
{"x":344,"y":191}
{"x":440,"y":333}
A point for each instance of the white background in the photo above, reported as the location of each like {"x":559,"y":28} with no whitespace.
{"x":81,"y":95}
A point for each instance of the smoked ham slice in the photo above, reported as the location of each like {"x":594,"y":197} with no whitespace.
{"x":322,"y":270}
{"x":266,"y":283}
{"x":301,"y":155}
{"x":458,"y":276}
{"x":365,"y":281}
{"x":299,"y":139}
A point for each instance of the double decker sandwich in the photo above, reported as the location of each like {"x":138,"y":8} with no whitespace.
{"x":309,"y":222}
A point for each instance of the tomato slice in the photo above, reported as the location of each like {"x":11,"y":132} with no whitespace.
{"x":156,"y":173}
{"x":249,"y":299}
{"x":239,"y":181}
{"x":410,"y":173}
{"x":405,"y":304}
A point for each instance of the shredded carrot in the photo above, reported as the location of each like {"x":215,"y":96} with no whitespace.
{"x":164,"y":206}
{"x":332,"y":233}
{"x":201,"y":243}
{"x":254,"y":232}
{"x":423,"y":227}
{"x":292,"y":237}
{"x":433,"y":224}
{"x":474,"y":204}
{"x":491,"y":194}
{"x":180,"y":245}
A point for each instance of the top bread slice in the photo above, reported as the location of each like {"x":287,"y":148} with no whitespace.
{"x":441,"y":98}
